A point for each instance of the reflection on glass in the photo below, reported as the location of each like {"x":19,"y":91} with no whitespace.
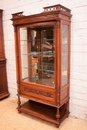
{"x":37,"y":55}
{"x":64,"y":57}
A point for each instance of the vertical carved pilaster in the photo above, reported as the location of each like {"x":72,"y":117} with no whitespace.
{"x":58,"y":104}
{"x":18,"y":94}
{"x":58,"y":24}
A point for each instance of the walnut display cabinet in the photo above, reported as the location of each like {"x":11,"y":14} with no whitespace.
{"x":3,"y":76}
{"x":42,"y":46}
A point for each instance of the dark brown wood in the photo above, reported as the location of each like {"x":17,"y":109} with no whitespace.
{"x":43,"y":111}
{"x":3,"y":76}
{"x":48,"y":103}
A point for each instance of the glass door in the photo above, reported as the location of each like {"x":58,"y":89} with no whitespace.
{"x":37,"y":55}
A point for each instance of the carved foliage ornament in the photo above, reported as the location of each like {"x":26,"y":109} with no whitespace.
{"x":47,"y":94}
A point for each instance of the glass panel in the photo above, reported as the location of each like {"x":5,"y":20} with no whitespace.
{"x":37,"y":55}
{"x":64,"y":55}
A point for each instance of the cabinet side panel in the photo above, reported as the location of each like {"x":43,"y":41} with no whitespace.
{"x":64,"y":94}
{"x":2,"y":55}
{"x":3,"y":79}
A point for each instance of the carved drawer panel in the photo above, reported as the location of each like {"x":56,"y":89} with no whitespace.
{"x":29,"y":91}
{"x":38,"y":94}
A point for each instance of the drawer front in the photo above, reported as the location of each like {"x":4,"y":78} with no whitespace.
{"x":38,"y":94}
{"x":29,"y":91}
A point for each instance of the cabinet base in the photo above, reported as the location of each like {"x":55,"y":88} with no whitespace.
{"x":4,"y":95}
{"x":43,"y":111}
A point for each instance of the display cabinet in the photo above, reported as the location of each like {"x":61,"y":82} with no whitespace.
{"x":3,"y":75}
{"x":42,"y":46}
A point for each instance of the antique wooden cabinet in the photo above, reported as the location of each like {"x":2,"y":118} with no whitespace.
{"x":42,"y":44}
{"x":3,"y":76}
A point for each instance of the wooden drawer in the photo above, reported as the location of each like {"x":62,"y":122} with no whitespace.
{"x":38,"y":94}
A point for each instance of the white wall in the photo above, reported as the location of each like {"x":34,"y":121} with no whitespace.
{"x":78,"y":85}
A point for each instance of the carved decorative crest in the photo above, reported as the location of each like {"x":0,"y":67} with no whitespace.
{"x":56,"y":8}
{"x":16,"y":15}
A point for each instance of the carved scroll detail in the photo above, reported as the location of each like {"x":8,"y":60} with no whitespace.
{"x":47,"y":94}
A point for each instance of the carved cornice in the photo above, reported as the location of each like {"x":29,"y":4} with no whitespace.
{"x":50,"y":13}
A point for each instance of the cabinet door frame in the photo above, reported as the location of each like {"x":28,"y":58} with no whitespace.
{"x":18,"y":63}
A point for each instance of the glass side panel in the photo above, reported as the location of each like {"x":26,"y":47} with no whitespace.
{"x":64,"y":55}
{"x":37,"y":55}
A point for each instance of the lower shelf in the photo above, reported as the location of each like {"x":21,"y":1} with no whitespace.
{"x":43,"y":111}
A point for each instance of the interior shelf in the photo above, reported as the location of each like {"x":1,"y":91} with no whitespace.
{"x":44,"y":53}
{"x":37,"y":40}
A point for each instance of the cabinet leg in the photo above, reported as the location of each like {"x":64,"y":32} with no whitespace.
{"x":57,"y":125}
{"x":58,"y":115}
{"x":19,"y":103}
{"x":67,"y":107}
{"x":19,"y":111}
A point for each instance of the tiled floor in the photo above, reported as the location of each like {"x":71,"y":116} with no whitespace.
{"x":10,"y":119}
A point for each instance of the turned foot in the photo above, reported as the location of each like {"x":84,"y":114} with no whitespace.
{"x":57,"y":125}
{"x":19,"y":111}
